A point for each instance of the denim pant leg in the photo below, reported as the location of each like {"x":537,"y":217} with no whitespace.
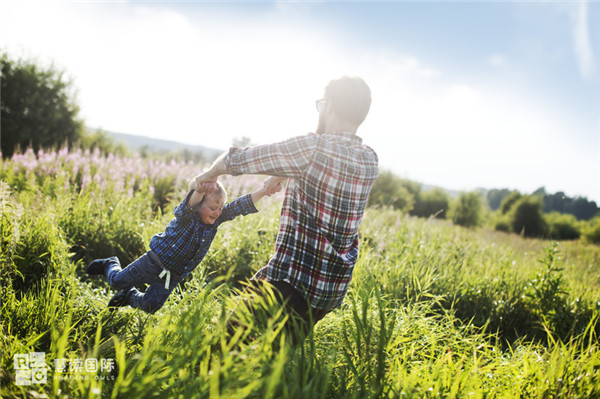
{"x":153,"y":299}
{"x":142,"y":270}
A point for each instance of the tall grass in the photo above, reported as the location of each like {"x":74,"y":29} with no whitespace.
{"x":434,"y":310}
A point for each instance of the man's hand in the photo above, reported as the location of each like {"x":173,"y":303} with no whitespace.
{"x":203,"y":187}
{"x":206,"y":187}
{"x":273,"y":185}
{"x":211,"y":174}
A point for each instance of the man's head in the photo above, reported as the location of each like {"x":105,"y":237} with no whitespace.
{"x":349,"y":99}
{"x":212,"y":205}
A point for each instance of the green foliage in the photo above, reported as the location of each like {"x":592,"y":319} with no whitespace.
{"x":434,"y":202}
{"x":502,"y":223}
{"x":559,"y":202}
{"x":433,"y":310}
{"x":509,"y":201}
{"x":592,"y":231}
{"x":562,"y":226}
{"x":390,"y":190}
{"x":527,"y":218}
{"x":579,"y":207}
{"x":495,"y":197}
{"x":466,"y":210}
{"x":100,"y":140}
{"x":37,"y":107}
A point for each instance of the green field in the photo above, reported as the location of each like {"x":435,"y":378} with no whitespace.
{"x":434,"y":310}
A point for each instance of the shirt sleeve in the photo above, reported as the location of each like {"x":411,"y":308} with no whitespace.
{"x":241,"y":206}
{"x":183,"y":210}
{"x":287,"y":158}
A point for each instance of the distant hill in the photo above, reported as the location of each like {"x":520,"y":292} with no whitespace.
{"x":136,"y":143}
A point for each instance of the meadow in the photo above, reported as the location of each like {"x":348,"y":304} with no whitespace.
{"x":434,"y":309}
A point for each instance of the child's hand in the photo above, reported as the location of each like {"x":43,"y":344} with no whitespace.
{"x":206,"y":187}
{"x":273,"y":185}
{"x":202,"y":186}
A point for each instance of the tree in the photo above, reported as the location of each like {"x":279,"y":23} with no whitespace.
{"x":466,"y":209}
{"x":36,"y":108}
{"x":527,"y":217}
{"x":390,"y":190}
{"x":562,"y":226}
{"x":509,"y":201}
{"x":495,"y":197}
{"x":431,"y":202}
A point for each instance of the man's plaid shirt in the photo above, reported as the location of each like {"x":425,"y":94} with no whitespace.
{"x":317,"y":243}
{"x":186,"y":240}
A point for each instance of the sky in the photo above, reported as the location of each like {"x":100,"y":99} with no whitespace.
{"x":466,"y":94}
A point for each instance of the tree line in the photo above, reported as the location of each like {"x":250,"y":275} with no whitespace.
{"x":531,"y":215}
{"x":579,"y":207}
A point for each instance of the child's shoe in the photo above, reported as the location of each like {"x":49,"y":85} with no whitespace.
{"x":98,"y":266}
{"x":120,"y":299}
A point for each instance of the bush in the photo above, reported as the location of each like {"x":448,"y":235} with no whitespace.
{"x":466,"y":209}
{"x":502,"y":224}
{"x":390,"y":190}
{"x":591,"y":232}
{"x":562,"y":226}
{"x":509,"y":201}
{"x":432,"y":202}
{"x":527,"y":218}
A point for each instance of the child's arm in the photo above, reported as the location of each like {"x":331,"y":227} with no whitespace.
{"x":271,"y":186}
{"x":199,"y":189}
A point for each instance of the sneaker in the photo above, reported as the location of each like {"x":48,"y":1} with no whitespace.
{"x":98,"y":266}
{"x":120,"y":299}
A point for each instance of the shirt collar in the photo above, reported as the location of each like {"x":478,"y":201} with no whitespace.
{"x":346,"y":135}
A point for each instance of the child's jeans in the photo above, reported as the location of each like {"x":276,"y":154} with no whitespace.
{"x":146,"y":269}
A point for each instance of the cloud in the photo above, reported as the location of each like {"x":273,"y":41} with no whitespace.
{"x":581,"y":39}
{"x":497,"y":60}
{"x":205,"y":79}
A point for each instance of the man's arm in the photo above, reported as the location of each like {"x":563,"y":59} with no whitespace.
{"x":287,"y":158}
{"x":211,"y":174}
{"x":271,"y":186}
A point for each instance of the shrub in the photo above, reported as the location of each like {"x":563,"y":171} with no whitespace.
{"x":466,"y":209}
{"x":527,"y":218}
{"x":390,"y":190}
{"x":562,"y":226}
{"x":509,"y":201}
{"x":591,"y":231}
{"x":502,"y":224}
{"x":432,"y":202}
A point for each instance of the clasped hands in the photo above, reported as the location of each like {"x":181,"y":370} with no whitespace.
{"x":206,"y":184}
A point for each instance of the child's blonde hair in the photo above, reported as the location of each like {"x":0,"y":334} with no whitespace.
{"x":220,"y":193}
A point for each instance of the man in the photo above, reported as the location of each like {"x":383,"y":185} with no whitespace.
{"x":331,"y":174}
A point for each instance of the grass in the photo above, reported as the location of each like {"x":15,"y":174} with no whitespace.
{"x":434,"y":310}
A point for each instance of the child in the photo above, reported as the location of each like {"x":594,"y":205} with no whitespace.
{"x":179,"y":249}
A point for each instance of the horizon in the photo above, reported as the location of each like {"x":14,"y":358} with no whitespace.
{"x":424,"y":185}
{"x":206,"y":73}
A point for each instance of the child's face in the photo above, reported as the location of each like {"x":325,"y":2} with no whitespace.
{"x":211,"y":209}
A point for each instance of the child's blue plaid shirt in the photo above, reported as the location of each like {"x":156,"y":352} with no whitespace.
{"x":186,"y":240}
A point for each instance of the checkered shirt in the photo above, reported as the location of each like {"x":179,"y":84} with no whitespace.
{"x":186,"y":240}
{"x":317,"y":244}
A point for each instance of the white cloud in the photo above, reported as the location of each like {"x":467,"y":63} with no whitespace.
{"x":581,"y":38}
{"x":497,"y":60}
{"x":153,"y":71}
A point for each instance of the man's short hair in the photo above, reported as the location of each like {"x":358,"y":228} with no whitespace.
{"x":350,"y":98}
